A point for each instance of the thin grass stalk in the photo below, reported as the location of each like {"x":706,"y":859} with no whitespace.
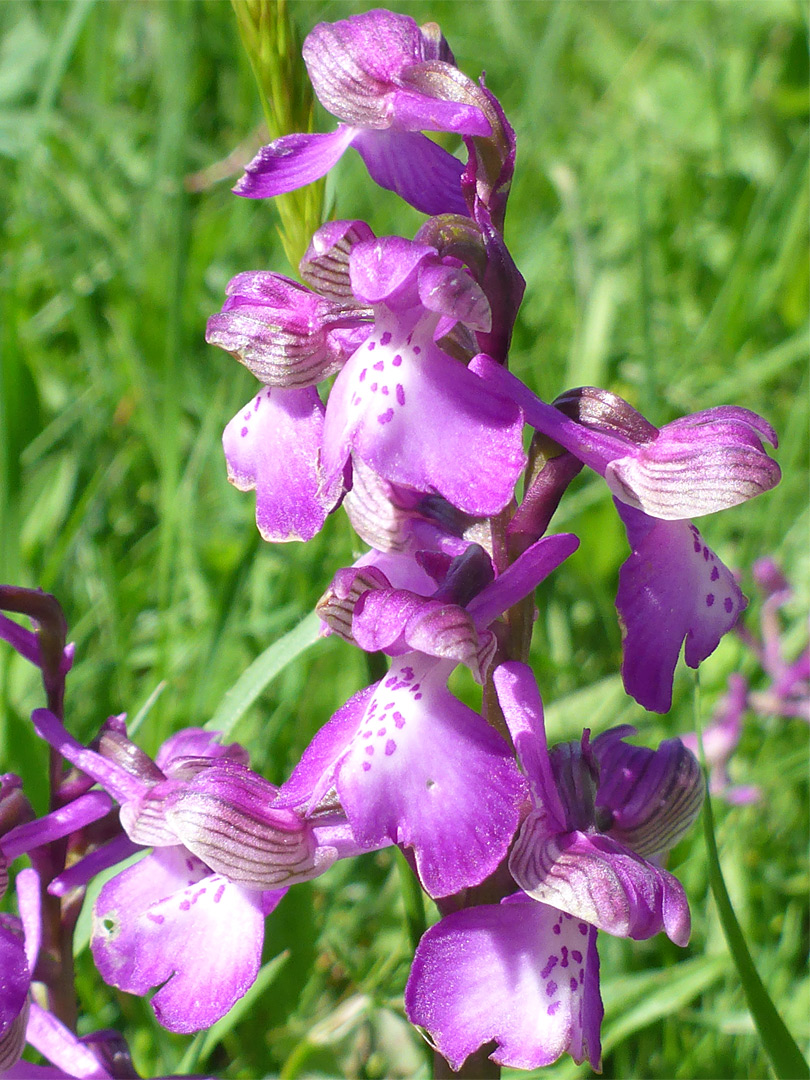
{"x":786,"y":1059}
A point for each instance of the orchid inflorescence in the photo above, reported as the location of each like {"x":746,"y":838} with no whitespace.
{"x":527,"y":850}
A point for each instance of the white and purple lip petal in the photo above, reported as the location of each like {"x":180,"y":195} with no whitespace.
{"x":168,"y":922}
{"x":272,"y":445}
{"x":518,"y":973}
{"x":421,"y":419}
{"x":426,"y":772}
{"x":672,"y":588}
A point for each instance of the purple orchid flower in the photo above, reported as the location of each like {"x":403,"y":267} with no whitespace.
{"x":788,"y":693}
{"x":696,"y":465}
{"x":525,"y":973}
{"x":673,"y":588}
{"x":410,"y":763}
{"x":518,"y":973}
{"x":23,"y":1020}
{"x":290,"y":337}
{"x":605,"y":815}
{"x":388,"y":80}
{"x":223,"y":861}
{"x":415,"y":415}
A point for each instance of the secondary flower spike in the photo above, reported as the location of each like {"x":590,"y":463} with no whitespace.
{"x":373,"y":71}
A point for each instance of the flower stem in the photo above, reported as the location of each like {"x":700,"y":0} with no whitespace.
{"x":784,"y":1055}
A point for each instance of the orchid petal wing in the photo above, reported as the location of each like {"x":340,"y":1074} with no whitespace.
{"x":420,"y":171}
{"x":293,"y":161}
{"x":688,"y":470}
{"x":653,"y":797}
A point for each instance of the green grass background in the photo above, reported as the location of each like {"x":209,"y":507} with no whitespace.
{"x":659,"y":214}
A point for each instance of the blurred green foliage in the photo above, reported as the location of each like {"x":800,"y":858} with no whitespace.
{"x":659,"y":214}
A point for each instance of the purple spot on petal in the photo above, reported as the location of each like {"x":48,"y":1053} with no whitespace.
{"x":156,"y":918}
{"x":417,"y":697}
{"x":715,"y":574}
{"x":390,"y":747}
{"x":397,"y":360}
{"x":371,"y":345}
{"x":399,"y":720}
{"x":728,"y":604}
{"x":577,"y":955}
{"x":257,"y":402}
{"x":391,"y":680}
{"x":185,"y":905}
{"x":219,"y":893}
{"x":573,"y":984}
{"x":244,"y":432}
{"x":416,"y":350}
{"x":400,"y":393}
{"x":698,"y":545}
{"x":385,"y":339}
{"x":189,"y":864}
{"x":386,"y":417}
{"x":583,"y":928}
{"x":380,"y":365}
{"x":551,"y":988}
{"x":556,"y":928}
{"x":369,"y":750}
{"x":581,"y":976}
{"x":381,"y":732}
{"x":362,"y":375}
{"x":709,"y":599}
{"x":374,"y":387}
{"x":386,"y":391}
{"x":547,"y":970}
{"x":247,"y":415}
{"x":564,"y":961}
{"x":367,"y":734}
{"x":705,"y":554}
{"x":553,"y":1007}
{"x":366,"y":766}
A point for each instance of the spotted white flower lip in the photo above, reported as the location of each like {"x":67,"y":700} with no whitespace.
{"x":413,"y":414}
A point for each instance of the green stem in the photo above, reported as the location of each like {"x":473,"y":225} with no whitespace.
{"x":785,"y":1057}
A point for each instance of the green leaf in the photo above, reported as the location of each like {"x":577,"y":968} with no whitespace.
{"x":262,"y":672}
